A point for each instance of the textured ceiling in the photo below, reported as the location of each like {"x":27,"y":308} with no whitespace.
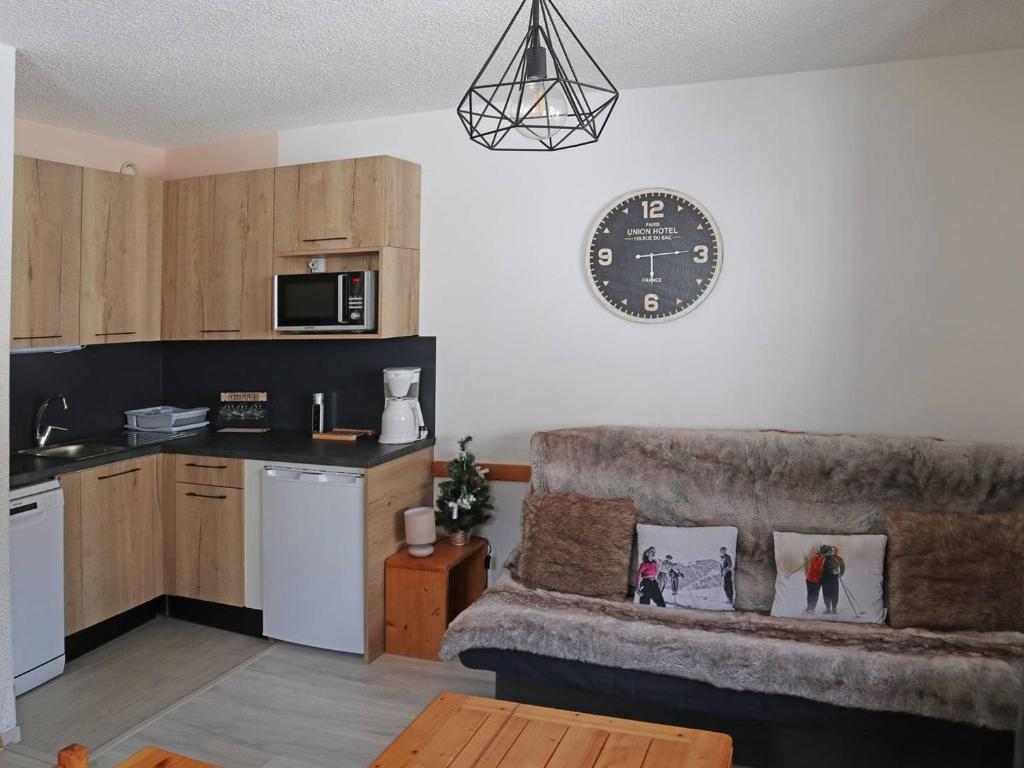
{"x":191,"y":71}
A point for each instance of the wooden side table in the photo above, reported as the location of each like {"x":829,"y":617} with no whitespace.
{"x":424,"y":594}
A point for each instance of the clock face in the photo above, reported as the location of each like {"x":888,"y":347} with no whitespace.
{"x":654,"y":255}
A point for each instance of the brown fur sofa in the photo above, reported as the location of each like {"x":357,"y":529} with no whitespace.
{"x":909,"y":693}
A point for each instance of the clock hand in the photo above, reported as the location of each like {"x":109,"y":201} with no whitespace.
{"x":665,"y":253}
{"x":648,"y":256}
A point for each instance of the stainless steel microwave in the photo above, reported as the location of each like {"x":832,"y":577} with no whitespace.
{"x":326,"y":302}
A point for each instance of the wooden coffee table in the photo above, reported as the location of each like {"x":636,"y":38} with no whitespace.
{"x":458,"y":731}
{"x":77,"y":756}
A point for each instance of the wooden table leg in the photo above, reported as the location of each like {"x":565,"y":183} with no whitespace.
{"x":73,"y":756}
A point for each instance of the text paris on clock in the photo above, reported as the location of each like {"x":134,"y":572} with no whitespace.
{"x":654,"y":255}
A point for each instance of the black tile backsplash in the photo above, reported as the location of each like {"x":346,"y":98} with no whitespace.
{"x":350,"y":374}
{"x":102,"y":382}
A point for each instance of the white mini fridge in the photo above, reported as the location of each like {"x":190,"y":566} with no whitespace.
{"x":313,"y":533}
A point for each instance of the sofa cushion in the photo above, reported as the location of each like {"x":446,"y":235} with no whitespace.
{"x":576,"y":544}
{"x":688,"y":567}
{"x":823,"y":576}
{"x":956,"y":571}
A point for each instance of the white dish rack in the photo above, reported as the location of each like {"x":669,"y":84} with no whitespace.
{"x":165,"y":418}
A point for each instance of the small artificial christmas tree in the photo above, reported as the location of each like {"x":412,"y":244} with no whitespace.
{"x":464,"y":499}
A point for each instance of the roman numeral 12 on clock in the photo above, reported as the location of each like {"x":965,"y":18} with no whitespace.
{"x":653,"y":255}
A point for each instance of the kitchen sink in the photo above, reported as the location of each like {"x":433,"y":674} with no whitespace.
{"x":75,"y":452}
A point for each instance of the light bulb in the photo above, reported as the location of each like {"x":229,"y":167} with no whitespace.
{"x":541,"y":116}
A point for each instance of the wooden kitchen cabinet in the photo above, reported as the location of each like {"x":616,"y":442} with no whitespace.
{"x":368,"y":202}
{"x":391,"y":489}
{"x":46,"y":255}
{"x":209,"y":545}
{"x":121,"y":538}
{"x":74,"y":606}
{"x":218,"y":254}
{"x":122,"y":231}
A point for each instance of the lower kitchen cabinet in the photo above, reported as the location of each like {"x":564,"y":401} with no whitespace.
{"x":74,"y":609}
{"x":209,"y":550}
{"x":121,"y":544}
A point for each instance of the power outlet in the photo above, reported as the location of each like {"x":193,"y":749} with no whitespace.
{"x":318,"y":264}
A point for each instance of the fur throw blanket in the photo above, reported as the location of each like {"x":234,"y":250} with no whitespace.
{"x":762,"y":482}
{"x":969,"y":677}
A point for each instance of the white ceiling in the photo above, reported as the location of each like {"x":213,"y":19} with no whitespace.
{"x":179,"y":72}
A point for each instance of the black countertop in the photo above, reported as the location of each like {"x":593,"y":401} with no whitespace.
{"x":297,"y":447}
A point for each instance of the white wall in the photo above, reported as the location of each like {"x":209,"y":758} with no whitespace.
{"x":7,"y":719}
{"x":872,"y":226}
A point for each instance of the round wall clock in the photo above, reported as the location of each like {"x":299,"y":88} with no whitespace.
{"x":654,"y":255}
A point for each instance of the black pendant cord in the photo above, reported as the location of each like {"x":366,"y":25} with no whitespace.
{"x":534,"y":23}
{"x":551,"y":94}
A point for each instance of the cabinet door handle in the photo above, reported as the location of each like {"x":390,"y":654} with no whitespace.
{"x":205,"y":495}
{"x":206,"y":466}
{"x":29,"y":338}
{"x":116,"y":333}
{"x":323,"y":239}
{"x":222,"y":330}
{"x":118,"y":474}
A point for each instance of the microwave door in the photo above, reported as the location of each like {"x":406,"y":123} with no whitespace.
{"x":307,"y":302}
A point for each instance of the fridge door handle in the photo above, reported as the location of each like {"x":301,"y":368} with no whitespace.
{"x":329,"y":478}
{"x":311,"y":477}
{"x":282,"y":474}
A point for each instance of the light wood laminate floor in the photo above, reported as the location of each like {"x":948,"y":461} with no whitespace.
{"x":124,"y":683}
{"x":287,"y":707}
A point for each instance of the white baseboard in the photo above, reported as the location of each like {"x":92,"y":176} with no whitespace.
{"x":13,"y":736}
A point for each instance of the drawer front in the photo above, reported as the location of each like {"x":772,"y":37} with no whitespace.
{"x":207,"y":470}
{"x":209,"y":547}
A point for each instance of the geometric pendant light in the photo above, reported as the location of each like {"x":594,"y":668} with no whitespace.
{"x":539,"y":89}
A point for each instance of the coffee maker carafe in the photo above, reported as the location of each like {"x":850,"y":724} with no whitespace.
{"x":402,"y":421}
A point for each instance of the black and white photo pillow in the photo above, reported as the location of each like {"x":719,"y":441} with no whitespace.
{"x":827,"y":576}
{"x":686,"y":567}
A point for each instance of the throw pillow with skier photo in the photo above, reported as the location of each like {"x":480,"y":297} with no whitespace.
{"x":829,"y":577}
{"x":685,"y":567}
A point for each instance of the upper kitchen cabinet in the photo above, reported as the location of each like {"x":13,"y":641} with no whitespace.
{"x":218,"y":256}
{"x":46,"y":253}
{"x":121,"y":244}
{"x":369,"y":202}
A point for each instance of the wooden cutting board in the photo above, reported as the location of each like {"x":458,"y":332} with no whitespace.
{"x":344,"y":435}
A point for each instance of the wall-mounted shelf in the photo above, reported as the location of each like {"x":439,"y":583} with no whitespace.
{"x":398,"y":287}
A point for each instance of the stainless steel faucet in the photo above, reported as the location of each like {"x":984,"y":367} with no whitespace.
{"x":42,"y":435}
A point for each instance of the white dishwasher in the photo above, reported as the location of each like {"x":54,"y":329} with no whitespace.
{"x":37,"y":583}
{"x":313,"y":534}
